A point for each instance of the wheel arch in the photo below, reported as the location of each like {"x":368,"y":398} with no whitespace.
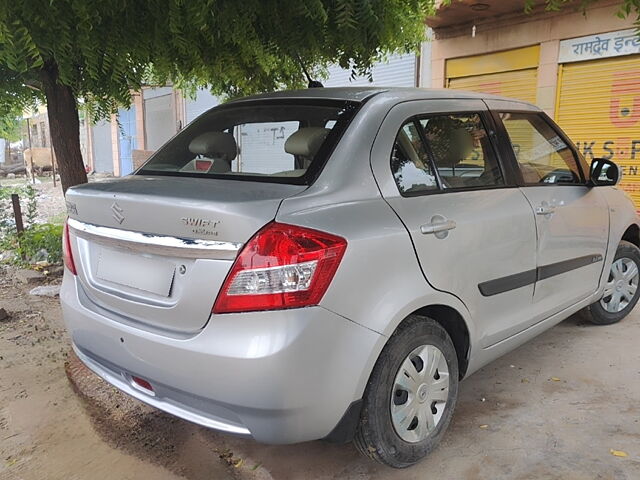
{"x":455,"y":325}
{"x":458,"y":330}
{"x":451,"y":318}
{"x":632,"y":234}
{"x":437,"y":307}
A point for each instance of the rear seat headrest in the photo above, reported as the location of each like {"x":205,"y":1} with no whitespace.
{"x":306,"y":141}
{"x":215,"y":145}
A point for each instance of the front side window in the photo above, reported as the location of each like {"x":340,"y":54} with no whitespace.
{"x":542,"y":156}
{"x":461,"y":151}
{"x":268,"y":141}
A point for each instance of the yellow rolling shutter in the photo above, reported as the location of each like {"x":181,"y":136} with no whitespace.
{"x":520,"y":84}
{"x":599,"y":108}
{"x":512,"y":73}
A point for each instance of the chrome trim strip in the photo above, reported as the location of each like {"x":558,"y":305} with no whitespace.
{"x":156,"y":244}
{"x":189,"y":415}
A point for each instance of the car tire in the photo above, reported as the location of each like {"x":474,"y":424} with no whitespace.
{"x":605,"y":311}
{"x":381,"y":434}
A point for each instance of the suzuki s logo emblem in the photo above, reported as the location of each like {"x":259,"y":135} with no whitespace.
{"x":117,"y":212}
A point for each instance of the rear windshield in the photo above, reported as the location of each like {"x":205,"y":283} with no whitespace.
{"x":268,"y":141}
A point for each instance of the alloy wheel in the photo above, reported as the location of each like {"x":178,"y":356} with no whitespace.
{"x":621,"y":286}
{"x":420,"y":393}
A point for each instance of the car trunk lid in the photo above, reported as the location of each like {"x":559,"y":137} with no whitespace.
{"x":156,"y":250}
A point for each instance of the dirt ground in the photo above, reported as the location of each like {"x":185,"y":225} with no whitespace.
{"x":556,"y":408}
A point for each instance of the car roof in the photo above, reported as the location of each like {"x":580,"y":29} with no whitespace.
{"x":359,"y":94}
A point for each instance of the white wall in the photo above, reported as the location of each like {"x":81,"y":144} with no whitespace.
{"x":425,"y":65}
{"x":159,"y":116}
{"x":102,"y":147}
{"x":203,"y":102}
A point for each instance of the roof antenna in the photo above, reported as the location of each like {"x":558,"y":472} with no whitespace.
{"x":312,"y":83}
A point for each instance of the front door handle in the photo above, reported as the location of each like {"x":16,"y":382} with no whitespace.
{"x":439,"y":226}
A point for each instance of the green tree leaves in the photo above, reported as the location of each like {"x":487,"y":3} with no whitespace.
{"x":101,"y":50}
{"x":10,"y":123}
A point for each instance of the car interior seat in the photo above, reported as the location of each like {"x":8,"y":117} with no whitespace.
{"x":216,"y":149}
{"x":304,"y":144}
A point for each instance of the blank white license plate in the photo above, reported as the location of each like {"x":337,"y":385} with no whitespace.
{"x":143,"y":273}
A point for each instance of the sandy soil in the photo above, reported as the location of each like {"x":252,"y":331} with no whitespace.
{"x":51,"y":207}
{"x":553,"y":409}
{"x":49,"y":432}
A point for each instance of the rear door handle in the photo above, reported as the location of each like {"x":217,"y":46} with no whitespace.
{"x":439,"y":226}
{"x":545,"y":209}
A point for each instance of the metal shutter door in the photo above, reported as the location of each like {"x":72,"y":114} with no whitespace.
{"x":519,"y":84}
{"x":397,"y":71}
{"x":599,"y":108}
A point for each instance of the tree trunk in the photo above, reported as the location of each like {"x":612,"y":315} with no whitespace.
{"x":64,"y":126}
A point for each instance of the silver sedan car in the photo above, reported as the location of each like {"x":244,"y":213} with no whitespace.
{"x":330,"y":263}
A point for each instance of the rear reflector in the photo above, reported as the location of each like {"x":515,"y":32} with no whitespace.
{"x":67,"y":254}
{"x":282,"y":266}
{"x":141,"y":382}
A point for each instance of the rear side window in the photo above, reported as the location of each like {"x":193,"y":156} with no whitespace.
{"x":450,"y":151}
{"x":543,"y":156}
{"x":265,"y":141}
{"x":461,"y":150}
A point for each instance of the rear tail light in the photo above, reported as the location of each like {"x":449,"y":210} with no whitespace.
{"x":67,"y":254}
{"x":282,"y":266}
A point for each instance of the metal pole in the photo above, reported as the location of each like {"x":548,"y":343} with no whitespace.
{"x":17,"y":212}
{"x":33,"y":175}
{"x":53,"y":165}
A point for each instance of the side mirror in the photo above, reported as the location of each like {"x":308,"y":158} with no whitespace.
{"x":604,"y":173}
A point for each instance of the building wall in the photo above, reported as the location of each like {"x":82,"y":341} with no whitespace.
{"x":424,"y":62}
{"x":202,"y":102}
{"x":591,"y":90}
{"x":397,"y":70}
{"x":102,"y":147}
{"x":37,"y":137}
{"x":160,"y":112}
{"x":115,"y":145}
{"x":544,"y":29}
{"x":159,"y":116}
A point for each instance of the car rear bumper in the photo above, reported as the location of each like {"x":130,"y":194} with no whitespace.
{"x":281,"y":377}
